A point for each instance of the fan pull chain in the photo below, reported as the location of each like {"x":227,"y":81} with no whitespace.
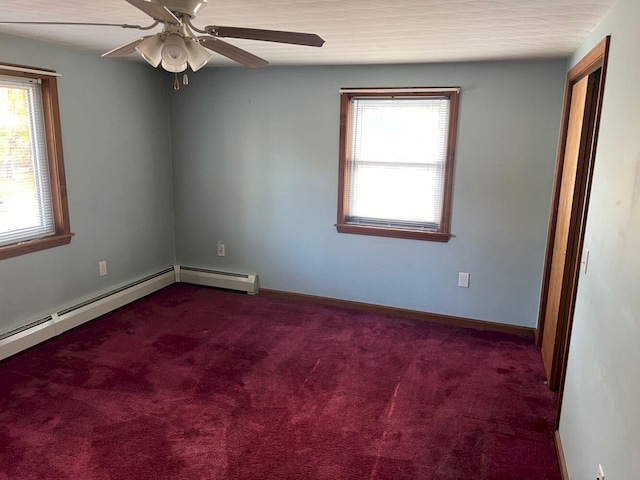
{"x":176,"y":83}
{"x":185,"y":79}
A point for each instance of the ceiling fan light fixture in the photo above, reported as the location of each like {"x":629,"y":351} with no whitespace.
{"x":176,"y":47}
{"x":149,"y":49}
{"x":174,"y":68}
{"x":174,"y":52}
{"x":198,"y":56}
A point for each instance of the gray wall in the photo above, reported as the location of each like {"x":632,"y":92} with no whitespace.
{"x":117,"y":157}
{"x":255,"y":164}
{"x":600,"y":419}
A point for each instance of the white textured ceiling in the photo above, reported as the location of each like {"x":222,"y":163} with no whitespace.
{"x":355,"y":31}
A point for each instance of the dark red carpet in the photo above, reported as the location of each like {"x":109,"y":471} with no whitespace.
{"x":194,"y":383}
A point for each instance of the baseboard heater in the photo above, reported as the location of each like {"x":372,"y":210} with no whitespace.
{"x":37,"y":331}
{"x":21,"y":338}
{"x":244,"y":282}
{"x":88,"y":310}
{"x":48,"y":327}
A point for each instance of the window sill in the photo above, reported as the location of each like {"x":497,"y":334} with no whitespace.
{"x":36,"y":245}
{"x":393,"y":232}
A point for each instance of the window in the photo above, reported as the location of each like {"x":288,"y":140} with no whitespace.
{"x":396,"y":162}
{"x":33,"y":200}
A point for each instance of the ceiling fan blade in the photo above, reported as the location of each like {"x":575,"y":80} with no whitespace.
{"x":234,"y":53}
{"x":123,"y":25}
{"x":295,"y":38}
{"x":155,"y":11}
{"x":124,"y":50}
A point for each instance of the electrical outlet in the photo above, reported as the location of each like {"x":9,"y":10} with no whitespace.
{"x":102,"y":267}
{"x":463,"y":280}
{"x":220,"y":249}
{"x":600,"y":473}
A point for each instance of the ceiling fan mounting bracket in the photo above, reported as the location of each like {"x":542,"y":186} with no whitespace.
{"x":185,"y":7}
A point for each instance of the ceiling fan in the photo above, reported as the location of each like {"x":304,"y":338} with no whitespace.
{"x":180,"y":44}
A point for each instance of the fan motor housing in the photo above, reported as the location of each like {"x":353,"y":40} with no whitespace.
{"x":188,"y":7}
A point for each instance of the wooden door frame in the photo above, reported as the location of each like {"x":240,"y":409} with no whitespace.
{"x":595,"y":60}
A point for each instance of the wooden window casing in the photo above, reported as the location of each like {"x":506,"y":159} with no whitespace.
{"x":342,"y":225}
{"x":53,"y":132}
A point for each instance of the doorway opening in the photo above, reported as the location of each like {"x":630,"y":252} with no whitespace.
{"x":574,"y":172}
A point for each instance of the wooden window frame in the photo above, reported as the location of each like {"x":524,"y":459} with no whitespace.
{"x":53,"y":132}
{"x":444,"y":234}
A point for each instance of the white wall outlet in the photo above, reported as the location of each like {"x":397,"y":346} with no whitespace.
{"x":220,"y":249}
{"x":600,"y":473}
{"x":102,"y":267}
{"x":463,"y":279}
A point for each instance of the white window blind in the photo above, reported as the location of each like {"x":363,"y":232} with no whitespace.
{"x":26,"y":211}
{"x":396,"y":162}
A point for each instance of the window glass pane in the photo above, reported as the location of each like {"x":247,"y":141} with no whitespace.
{"x":404,"y":194}
{"x":25,"y":198}
{"x":396,"y":163}
{"x":399,"y":130}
